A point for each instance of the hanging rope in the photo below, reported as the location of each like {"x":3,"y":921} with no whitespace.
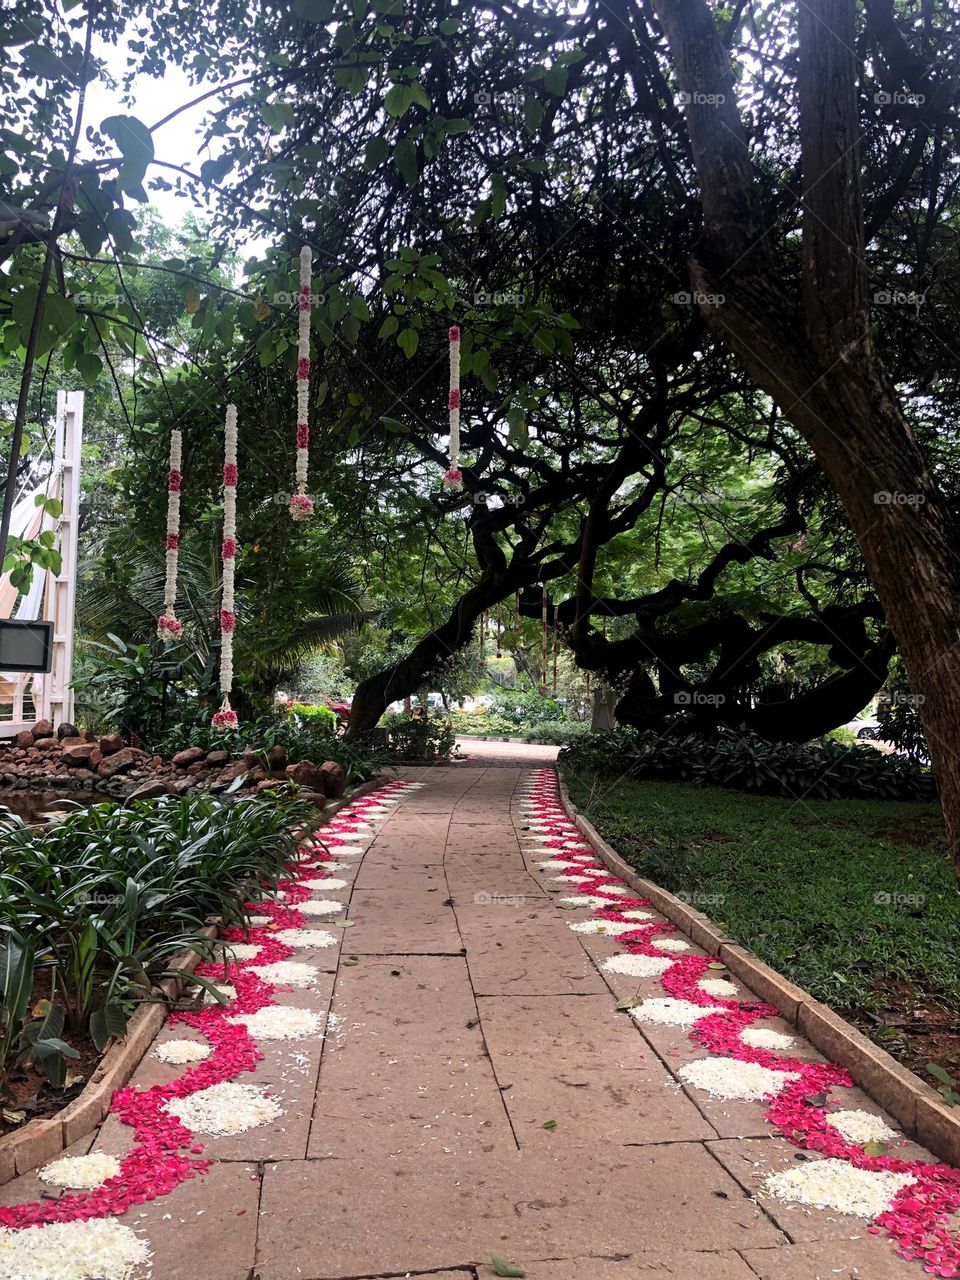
{"x":453,"y":477}
{"x":543,"y":638}
{"x":499,"y":630}
{"x":301,"y":507}
{"x":168,"y":628}
{"x":556,"y":648}
{"x":226,"y":717}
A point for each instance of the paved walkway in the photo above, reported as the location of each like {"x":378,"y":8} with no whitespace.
{"x":478,"y":1093}
{"x":507,"y":755}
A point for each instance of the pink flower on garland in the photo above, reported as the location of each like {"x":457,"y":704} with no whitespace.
{"x":301,"y":506}
{"x":225,"y":719}
{"x":453,"y":480}
{"x":173,"y":541}
{"x":228,"y":548}
{"x":168,"y":626}
{"x":230,"y":475}
{"x":454,"y":333}
{"x":453,"y":400}
{"x":303,"y":368}
{"x":306,"y":298}
{"x":228,"y":620}
{"x":303,"y":435}
{"x":174,"y":480}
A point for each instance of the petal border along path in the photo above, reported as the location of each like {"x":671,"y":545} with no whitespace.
{"x":160,"y":1159}
{"x":925,"y":1195}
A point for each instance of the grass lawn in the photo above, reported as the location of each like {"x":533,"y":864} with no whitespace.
{"x":852,"y":899}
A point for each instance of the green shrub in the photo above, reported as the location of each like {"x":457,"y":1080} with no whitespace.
{"x":429,"y":738}
{"x":319,"y":715}
{"x":558,"y":731}
{"x":749,"y":763}
{"x":100,"y":903}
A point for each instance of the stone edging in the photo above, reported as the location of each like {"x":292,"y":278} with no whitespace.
{"x":42,"y":1140}
{"x":918,"y":1108}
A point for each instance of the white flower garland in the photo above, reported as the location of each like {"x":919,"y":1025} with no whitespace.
{"x":453,"y":476}
{"x":226,"y":717}
{"x":168,"y":628}
{"x":301,"y":506}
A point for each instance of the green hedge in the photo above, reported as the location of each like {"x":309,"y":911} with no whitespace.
{"x":828,"y":770}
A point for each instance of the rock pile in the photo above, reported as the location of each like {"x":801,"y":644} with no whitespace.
{"x":65,"y":759}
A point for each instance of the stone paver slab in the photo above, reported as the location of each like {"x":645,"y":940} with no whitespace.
{"x":570,"y":1060}
{"x":405,"y":1072}
{"x":376,"y":1218}
{"x":404,"y":923}
{"x":857,"y":1256}
{"x":206,"y":1227}
{"x":520,"y":951}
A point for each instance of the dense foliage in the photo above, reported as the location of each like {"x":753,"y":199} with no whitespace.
{"x":824,"y":770}
{"x":93,"y":910}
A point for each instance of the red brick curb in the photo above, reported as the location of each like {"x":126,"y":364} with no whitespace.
{"x":918,"y":1108}
{"x":41,"y":1141}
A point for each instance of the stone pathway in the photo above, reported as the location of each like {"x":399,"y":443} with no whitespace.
{"x":478,"y":1093}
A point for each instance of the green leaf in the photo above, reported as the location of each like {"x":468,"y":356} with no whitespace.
{"x":939,"y":1073}
{"x":389,"y":327}
{"x":555,"y":81}
{"x":549,"y":1124}
{"x":375,"y":152}
{"x":533,"y":110}
{"x":399,"y":99}
{"x":344,"y":924}
{"x":89,"y":366}
{"x":503,"y":1268}
{"x":136,"y":146}
{"x":875,"y":1148}
{"x":277,"y":115}
{"x":405,"y":158}
{"x":408,"y":340}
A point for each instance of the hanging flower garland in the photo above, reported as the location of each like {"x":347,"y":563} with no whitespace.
{"x":301,"y":506}
{"x":168,"y":628}
{"x":226,"y":717}
{"x":453,"y":476}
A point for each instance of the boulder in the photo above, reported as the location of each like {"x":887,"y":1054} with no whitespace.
{"x":151,"y":791}
{"x":218,"y":757}
{"x":42,"y":729}
{"x":334,"y":779}
{"x":24,"y":738}
{"x":278,"y":759}
{"x":235,"y":770}
{"x":190,"y":755}
{"x":84,"y":777}
{"x":46,"y":743}
{"x":78,"y":740}
{"x":67,"y":730}
{"x":109,"y":743}
{"x":317,"y":798}
{"x":117,"y":762}
{"x":79,"y":754}
{"x":306,"y":774}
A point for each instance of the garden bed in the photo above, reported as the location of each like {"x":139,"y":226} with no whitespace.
{"x":855,"y":901}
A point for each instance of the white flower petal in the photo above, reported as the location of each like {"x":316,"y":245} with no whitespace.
{"x":861,"y":1126}
{"x":81,"y":1173}
{"x":672,"y":1013}
{"x":729,"y":1078}
{"x":99,"y":1249}
{"x":180,"y":1052}
{"x":837,"y":1185}
{"x":637,"y":966}
{"x":766,"y":1038}
{"x":225,"y":1109}
{"x":280,"y":1022}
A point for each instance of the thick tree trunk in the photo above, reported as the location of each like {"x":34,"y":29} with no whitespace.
{"x":812,"y":351}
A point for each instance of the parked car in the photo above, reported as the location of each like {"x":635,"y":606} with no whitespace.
{"x":864,"y":727}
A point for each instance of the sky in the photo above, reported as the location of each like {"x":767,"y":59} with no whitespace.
{"x":179,"y":141}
